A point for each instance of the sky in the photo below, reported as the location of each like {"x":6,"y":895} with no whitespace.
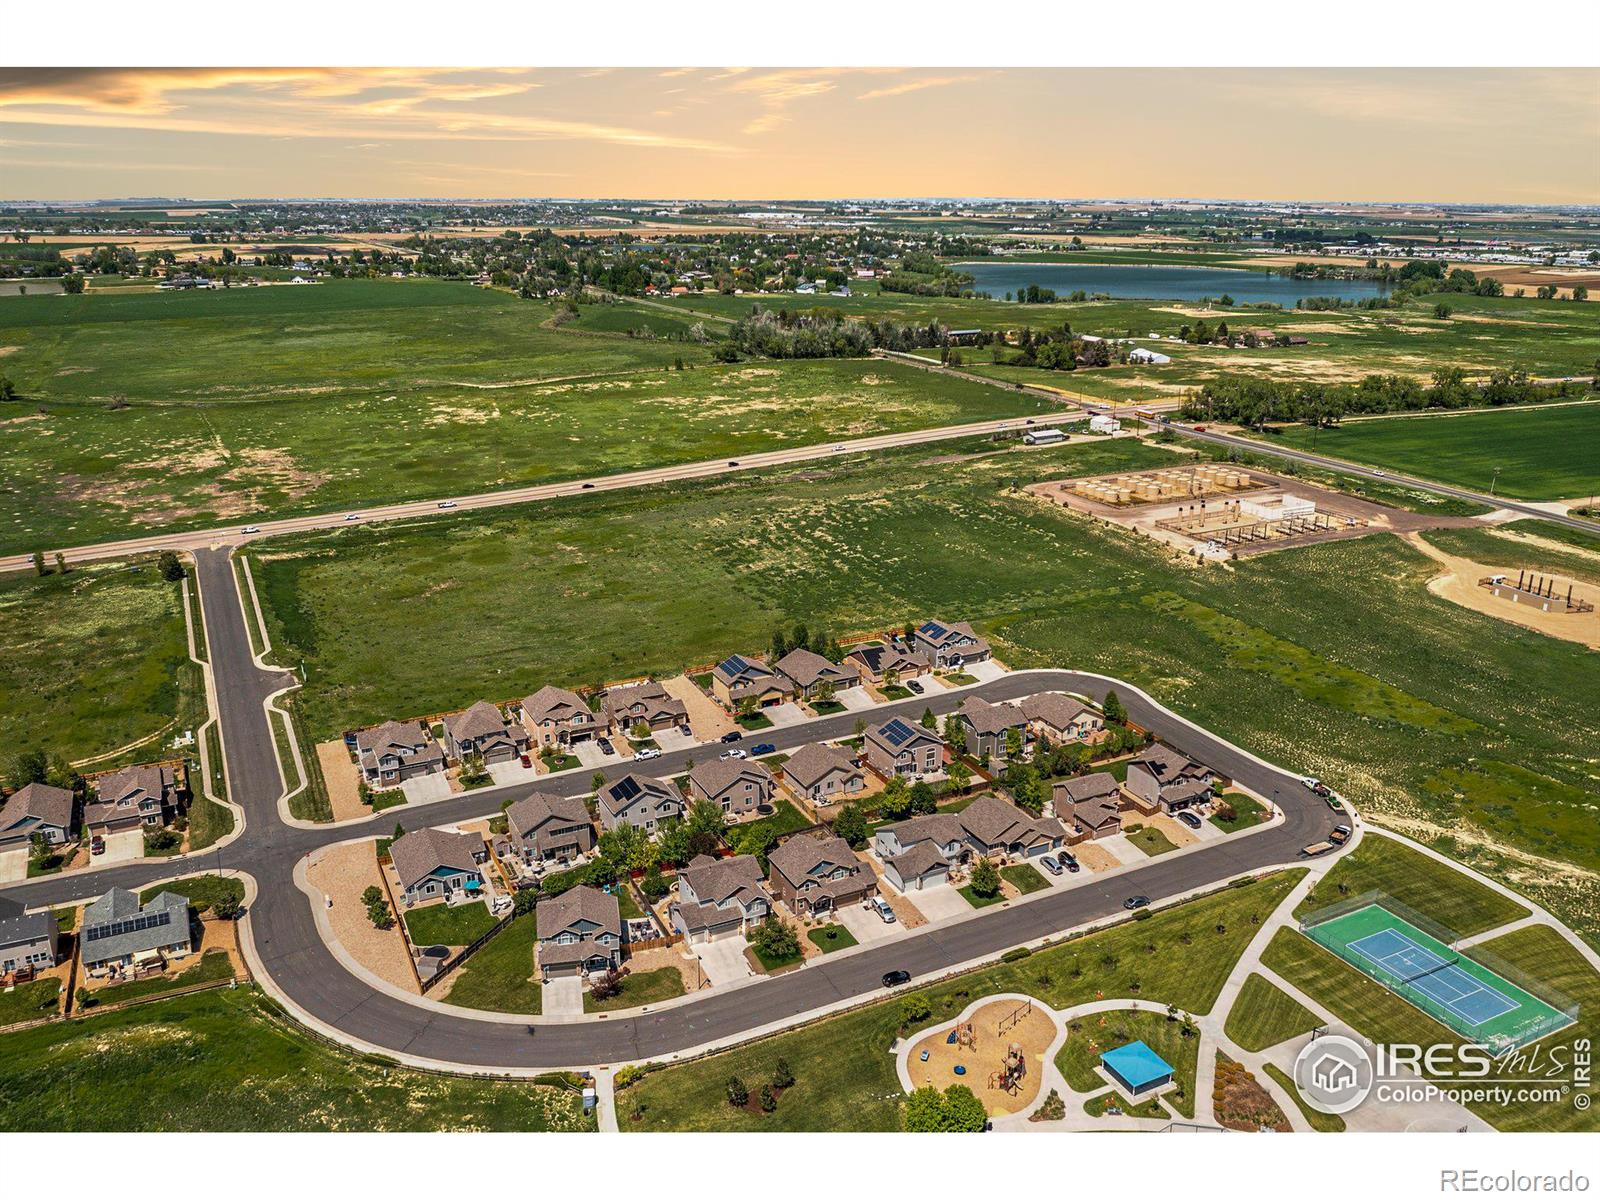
{"x":1517,"y":136}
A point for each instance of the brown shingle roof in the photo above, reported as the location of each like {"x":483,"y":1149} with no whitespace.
{"x":1054,"y":709}
{"x":813,"y":761}
{"x":807,"y":668}
{"x":581,"y":903}
{"x":535,"y":809}
{"x":50,"y":805}
{"x":716,"y":879}
{"x":990,"y":718}
{"x":803,"y":853}
{"x":717,"y":775}
{"x":481,"y":720}
{"x":1085,"y":788}
{"x":417,"y":855}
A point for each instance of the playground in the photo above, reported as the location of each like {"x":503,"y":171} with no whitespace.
{"x":997,"y":1049}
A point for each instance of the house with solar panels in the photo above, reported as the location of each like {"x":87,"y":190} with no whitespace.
{"x":737,"y":679}
{"x":881,"y":661}
{"x":1160,"y":777}
{"x":950,"y":645}
{"x":897,"y":747}
{"x":640,"y":801}
{"x":120,"y":933}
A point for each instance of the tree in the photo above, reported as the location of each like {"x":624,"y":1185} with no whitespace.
{"x":228,"y":907}
{"x":923,"y":799}
{"x":38,"y":563}
{"x":929,"y":721}
{"x":768,"y":1101}
{"x":925,"y":1111}
{"x":674,"y":844}
{"x":1113,"y":708}
{"x":782,"y":1074}
{"x":738,"y":1094}
{"x":606,"y":985}
{"x":38,"y":849}
{"x":914,"y":1008}
{"x":960,"y":775}
{"x":955,"y":733}
{"x":1013,"y":742}
{"x":596,"y":781}
{"x":985,"y":878}
{"x":895,"y":799}
{"x":851,"y":825}
{"x":775,"y":939}
{"x":373,"y":895}
{"x":72,"y":285}
{"x":963,"y":1111}
{"x":61,"y":563}
{"x":823,"y":694}
{"x":8,"y":390}
{"x":640,"y":731}
{"x":30,"y":766}
{"x":706,"y":817}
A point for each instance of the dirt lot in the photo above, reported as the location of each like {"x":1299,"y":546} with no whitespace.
{"x":706,"y":717}
{"x":1177,"y":832}
{"x":987,"y":1054}
{"x":343,"y":873}
{"x":1458,"y":583}
{"x":1094,"y":858}
{"x":344,"y":782}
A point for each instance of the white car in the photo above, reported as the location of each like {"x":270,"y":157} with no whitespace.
{"x":352,"y":516}
{"x":647,"y":752}
{"x":1381,"y":474}
{"x":252,"y":529}
{"x":734,"y":753}
{"x":1311,"y":781}
{"x":881,"y":906}
{"x":447,"y":504}
{"x":838,"y":449}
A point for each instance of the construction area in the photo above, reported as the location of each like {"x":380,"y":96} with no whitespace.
{"x":1542,"y":592}
{"x":1215,"y":512}
{"x":998,"y":1051}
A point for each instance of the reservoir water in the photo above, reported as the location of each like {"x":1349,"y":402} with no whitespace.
{"x":995,"y":279}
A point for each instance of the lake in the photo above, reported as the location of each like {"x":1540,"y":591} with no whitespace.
{"x":995,"y":279}
{"x":30,"y":287}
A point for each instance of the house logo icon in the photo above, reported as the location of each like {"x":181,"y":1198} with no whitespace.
{"x":1333,"y":1073}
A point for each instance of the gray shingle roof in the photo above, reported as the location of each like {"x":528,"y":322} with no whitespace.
{"x":117,"y":925}
{"x":813,"y":761}
{"x":581,"y":903}
{"x":622,"y":794}
{"x":918,"y":860}
{"x":419,"y":854}
{"x":18,"y":927}
{"x":807,"y":668}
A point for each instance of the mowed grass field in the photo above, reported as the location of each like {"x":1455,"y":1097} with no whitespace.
{"x":92,"y":660}
{"x":1544,"y":453}
{"x":291,"y":400}
{"x":1397,"y":710}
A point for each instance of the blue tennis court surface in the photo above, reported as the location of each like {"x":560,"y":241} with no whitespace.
{"x":1435,"y":977}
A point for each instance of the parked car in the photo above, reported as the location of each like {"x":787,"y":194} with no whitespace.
{"x":1049,"y":863}
{"x":1189,"y":819}
{"x":251,"y":529}
{"x":605,"y":745}
{"x":1070,"y":863}
{"x":763,"y":748}
{"x":97,"y":845}
{"x":733,"y":462}
{"x":733,"y":735}
{"x":526,"y":761}
{"x":913,"y":686}
{"x":735,"y":752}
{"x":1310,"y":781}
{"x":896,"y":978}
{"x":586,"y":487}
{"x":647,"y":752}
{"x":1133,"y":902}
{"x":838,"y":449}
{"x":447,"y":504}
{"x":1381,"y":474}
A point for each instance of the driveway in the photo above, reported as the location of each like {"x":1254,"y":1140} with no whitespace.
{"x":563,"y":997}
{"x":1120,"y":848}
{"x":511,"y":771}
{"x":785,"y":714}
{"x":674,"y":739}
{"x":855,"y":699}
{"x":940,"y":902}
{"x":423,"y":788}
{"x":13,"y":865}
{"x":984,"y":671}
{"x":723,"y":960}
{"x":865,"y":924}
{"x":590,"y":755}
{"x":127,"y":846}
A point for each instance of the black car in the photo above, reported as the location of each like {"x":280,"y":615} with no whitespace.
{"x":605,"y":745}
{"x":733,"y":462}
{"x":896,"y":978}
{"x":1136,"y":902}
{"x":764,"y":748}
{"x":587,"y":486}
{"x":1070,"y":863}
{"x":914,"y":686}
{"x":1189,"y":819}
{"x":733,"y":735}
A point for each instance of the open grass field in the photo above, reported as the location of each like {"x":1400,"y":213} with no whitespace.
{"x":844,"y":1074}
{"x":1263,"y":652}
{"x":1263,"y":1016}
{"x":1542,"y":453}
{"x":93,"y":660}
{"x":294,"y":400}
{"x":225,"y":1061}
{"x":1538,"y":545}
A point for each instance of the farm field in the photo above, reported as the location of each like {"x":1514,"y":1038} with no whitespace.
{"x":1545,"y":453}
{"x":1263,"y":652}
{"x":378,"y":401}
{"x":224,"y":1061}
{"x":94,"y":659}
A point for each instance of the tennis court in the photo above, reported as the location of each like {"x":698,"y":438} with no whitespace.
{"x":1460,"y":993}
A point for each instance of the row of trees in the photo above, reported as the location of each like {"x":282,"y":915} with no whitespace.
{"x":825,"y":333}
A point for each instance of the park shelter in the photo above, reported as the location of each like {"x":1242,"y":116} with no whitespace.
{"x":1137,"y":1068}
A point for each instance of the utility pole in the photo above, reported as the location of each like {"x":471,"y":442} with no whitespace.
{"x":1493,"y":480}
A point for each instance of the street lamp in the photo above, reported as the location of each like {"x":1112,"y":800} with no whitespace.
{"x":1493,"y":480}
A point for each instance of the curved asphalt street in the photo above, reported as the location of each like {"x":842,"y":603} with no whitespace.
{"x":292,"y":953}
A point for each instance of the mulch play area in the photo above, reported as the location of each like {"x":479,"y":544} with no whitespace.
{"x":978,"y":1057}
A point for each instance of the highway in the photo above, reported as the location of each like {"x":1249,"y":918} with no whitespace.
{"x":292,"y":953}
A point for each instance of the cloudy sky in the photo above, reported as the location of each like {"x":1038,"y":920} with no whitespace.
{"x":1518,"y":136}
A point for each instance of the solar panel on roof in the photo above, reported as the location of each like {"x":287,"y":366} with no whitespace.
{"x":934,"y":628}
{"x":897,"y":732}
{"x":626,"y":788}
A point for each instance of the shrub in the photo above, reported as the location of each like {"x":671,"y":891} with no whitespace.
{"x":738,"y":1094}
{"x":914,"y":1008}
{"x":769,"y":1102}
{"x":783,"y":1074}
{"x":1016,"y":954}
{"x":775,"y":939}
{"x":985,"y":878}
{"x":373,"y":895}
{"x":606,"y":986}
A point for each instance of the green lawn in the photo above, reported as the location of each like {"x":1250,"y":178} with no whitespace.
{"x":1024,"y":877}
{"x":1446,"y":896}
{"x":1544,"y":453}
{"x":1152,"y":841}
{"x":226,"y":1061}
{"x":627,"y":905}
{"x":978,"y":901}
{"x":202,"y":891}
{"x":1320,"y":1121}
{"x":785,"y":818}
{"x":212,"y":967}
{"x":845,"y":1078}
{"x":829,"y":938}
{"x":1247,"y":811}
{"x":30,"y":1001}
{"x":641,"y":987}
{"x":500,"y":977}
{"x":93,"y":660}
{"x":446,"y":925}
{"x":1087,"y":1039}
{"x":1263,"y":1016}
{"x":1263,"y":653}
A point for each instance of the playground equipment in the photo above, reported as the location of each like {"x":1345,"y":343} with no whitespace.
{"x":1010,"y":1020}
{"x":1009,"y":1078}
{"x":963,"y":1036}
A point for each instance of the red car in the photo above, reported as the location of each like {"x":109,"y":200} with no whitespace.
{"x":97,"y":845}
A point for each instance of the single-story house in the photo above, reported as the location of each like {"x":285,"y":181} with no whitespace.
{"x":119,"y":932}
{"x":646,"y":704}
{"x":736,"y":786}
{"x":897,"y":747}
{"x":482,"y":730}
{"x":822,"y":773}
{"x":988,"y":726}
{"x":396,"y":751}
{"x":138,"y":797}
{"x":1058,"y":717}
{"x":989,"y":827}
{"x":737,"y":679}
{"x":641,"y":801}
{"x":580,"y":932}
{"x":719,"y":896}
{"x":1160,"y":776}
{"x":556,"y":717}
{"x":433,"y":862}
{"x":29,"y":942}
{"x":38,"y":808}
{"x":546,"y":827}
{"x":950,"y":645}
{"x":883,"y":661}
{"x":811,"y":673}
{"x":814,"y":874}
{"x":1092,"y":804}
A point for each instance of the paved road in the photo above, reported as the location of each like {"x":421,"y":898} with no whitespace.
{"x":234,"y":535}
{"x":294,"y":956}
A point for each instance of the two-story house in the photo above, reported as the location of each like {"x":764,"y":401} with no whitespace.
{"x":1091,"y":805}
{"x":554,"y":716}
{"x":718,"y":897}
{"x":989,"y":827}
{"x":737,"y":680}
{"x":648,"y":704}
{"x":989,"y":726}
{"x":823,"y":774}
{"x":811,"y":673}
{"x":897,"y":747}
{"x":549,"y":828}
{"x":814,"y":874}
{"x":580,"y":933}
{"x":482,"y":730}
{"x":1161,"y":777}
{"x":433,"y":862}
{"x":29,"y":942}
{"x":395,"y":751}
{"x":138,"y":797}
{"x":1060,"y":718}
{"x":641,"y":801}
{"x":737,"y":786}
{"x":38,"y":808}
{"x":119,"y":932}
{"x":950,"y":644}
{"x":881,"y":662}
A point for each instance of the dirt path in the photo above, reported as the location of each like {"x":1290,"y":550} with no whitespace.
{"x":343,"y":873}
{"x":344,"y":787}
{"x":1458,"y":583}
